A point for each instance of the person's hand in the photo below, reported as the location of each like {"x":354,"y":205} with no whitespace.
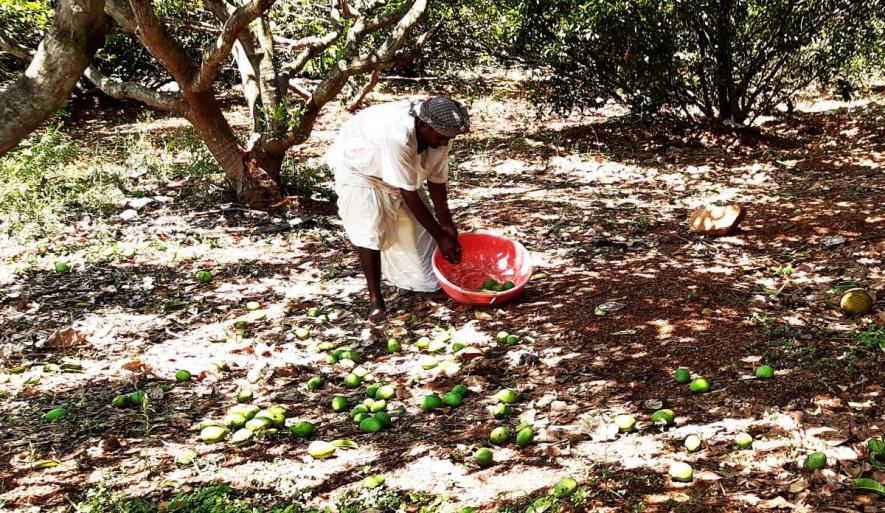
{"x":449,"y":228}
{"x":449,"y":247}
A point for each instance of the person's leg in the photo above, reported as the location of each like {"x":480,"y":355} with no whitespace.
{"x":370,"y":260}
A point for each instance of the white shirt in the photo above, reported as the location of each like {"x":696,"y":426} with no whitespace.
{"x":380,"y":143}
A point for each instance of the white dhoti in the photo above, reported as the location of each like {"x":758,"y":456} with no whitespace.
{"x":374,"y":156}
{"x":375,"y":217}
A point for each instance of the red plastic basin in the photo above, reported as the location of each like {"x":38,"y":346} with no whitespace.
{"x":483,"y":256}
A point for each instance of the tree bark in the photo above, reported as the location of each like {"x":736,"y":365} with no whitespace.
{"x":77,"y":31}
{"x":725,"y":87}
{"x":255,"y":173}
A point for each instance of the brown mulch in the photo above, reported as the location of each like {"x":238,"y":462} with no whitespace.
{"x":603,"y":206}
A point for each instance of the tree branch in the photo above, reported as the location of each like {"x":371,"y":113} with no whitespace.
{"x":77,"y":30}
{"x":297,"y":89}
{"x":121,"y":12}
{"x":12,"y":47}
{"x":161,"y":45}
{"x":401,"y":58}
{"x":366,"y":89}
{"x":215,"y":55}
{"x":173,"y":102}
{"x":387,"y":50}
{"x":271,"y":92}
{"x":348,"y":11}
{"x":334,"y":81}
{"x":312,"y":49}
{"x":386,"y":20}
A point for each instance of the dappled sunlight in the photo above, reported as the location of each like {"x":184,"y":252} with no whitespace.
{"x":623,"y":296}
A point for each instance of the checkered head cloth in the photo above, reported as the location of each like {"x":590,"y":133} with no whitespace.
{"x":446,"y":117}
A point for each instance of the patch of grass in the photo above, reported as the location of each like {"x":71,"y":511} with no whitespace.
{"x":760,"y":318}
{"x":183,"y":159}
{"x":209,"y":499}
{"x":841,"y":287}
{"x":376,"y":499}
{"x":613,"y":487}
{"x":101,"y":500}
{"x":429,"y":504}
{"x":43,"y":185}
{"x":307,"y":180}
{"x":51,"y":179}
{"x":873,"y":337}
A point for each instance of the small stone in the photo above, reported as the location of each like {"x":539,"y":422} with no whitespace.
{"x":545,"y":401}
{"x":716,"y":221}
{"x":128,"y":214}
{"x":558,"y":406}
{"x":831,"y":241}
{"x":139,"y":203}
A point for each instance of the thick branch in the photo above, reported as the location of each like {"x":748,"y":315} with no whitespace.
{"x":288,"y":44}
{"x":77,"y":31}
{"x":215,"y":55}
{"x":173,"y":102}
{"x":271,"y":92}
{"x":386,"y":20}
{"x":12,"y":47}
{"x":161,"y":44}
{"x":384,"y":55}
{"x":400,"y":59}
{"x":297,"y":89}
{"x":121,"y":12}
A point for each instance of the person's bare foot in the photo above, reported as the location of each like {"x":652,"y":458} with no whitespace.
{"x":378,"y":311}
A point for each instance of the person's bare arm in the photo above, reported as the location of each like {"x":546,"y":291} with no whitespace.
{"x":448,"y":244}
{"x":440,"y":197}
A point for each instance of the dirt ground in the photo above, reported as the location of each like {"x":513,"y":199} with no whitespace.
{"x":601,"y":202}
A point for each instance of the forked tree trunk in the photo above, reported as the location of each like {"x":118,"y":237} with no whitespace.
{"x":256,"y":173}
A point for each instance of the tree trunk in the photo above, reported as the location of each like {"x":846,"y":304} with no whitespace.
{"x":724,"y":67}
{"x":77,"y":31}
{"x":254,"y":173}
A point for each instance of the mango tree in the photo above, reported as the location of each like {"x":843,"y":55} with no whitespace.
{"x":338,"y":40}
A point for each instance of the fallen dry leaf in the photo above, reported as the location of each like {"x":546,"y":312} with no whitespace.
{"x":66,"y":338}
{"x":134,"y":366}
{"x":798,"y":486}
{"x":776,"y":503}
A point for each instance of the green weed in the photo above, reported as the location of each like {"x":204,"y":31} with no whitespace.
{"x":785,"y":270}
{"x":101,"y":500}
{"x":376,"y":499}
{"x":843,"y":286}
{"x":210,"y":499}
{"x":306,"y":180}
{"x":41,"y":186}
{"x":873,"y":337}
{"x":760,"y":318}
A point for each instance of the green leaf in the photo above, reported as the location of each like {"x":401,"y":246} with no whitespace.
{"x":175,"y":304}
{"x":45,"y":464}
{"x":868,"y":485}
{"x":541,"y":505}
